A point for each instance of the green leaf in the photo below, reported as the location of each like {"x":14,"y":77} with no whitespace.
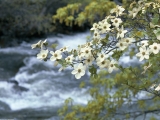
{"x":155,"y":19}
{"x":105,"y":40}
{"x":157,"y":33}
{"x":54,"y":46}
{"x":82,"y":84}
{"x":93,"y":71}
{"x":117,"y":65}
{"x":117,"y":54}
{"x":152,"y":118}
{"x":127,"y":116}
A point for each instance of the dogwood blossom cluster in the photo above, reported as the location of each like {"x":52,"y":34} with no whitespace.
{"x":119,"y":37}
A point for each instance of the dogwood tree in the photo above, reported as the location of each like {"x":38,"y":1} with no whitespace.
{"x":133,"y":31}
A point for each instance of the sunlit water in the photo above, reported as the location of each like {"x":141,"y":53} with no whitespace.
{"x":36,"y":89}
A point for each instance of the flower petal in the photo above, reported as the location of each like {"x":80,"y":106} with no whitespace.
{"x":74,"y":72}
{"x":78,"y":76}
{"x":82,"y":73}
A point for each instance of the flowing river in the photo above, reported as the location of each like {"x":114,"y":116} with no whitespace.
{"x":31,"y":89}
{"x":34,"y":89}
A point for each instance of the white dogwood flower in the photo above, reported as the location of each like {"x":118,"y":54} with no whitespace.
{"x":144,"y":43}
{"x":86,"y":52}
{"x":121,"y":32}
{"x":118,"y":10}
{"x":105,"y":27}
{"x":101,"y":57}
{"x":79,"y":70}
{"x":95,"y":26}
{"x":153,"y":86}
{"x":42,"y":55}
{"x":43,"y":43}
{"x":88,"y":44}
{"x":55,"y":55}
{"x":38,"y":44}
{"x":154,"y":48}
{"x":64,"y":49}
{"x":80,"y":56}
{"x":96,"y":35}
{"x":121,"y":45}
{"x":89,"y":61}
{"x":141,"y":2}
{"x":128,"y":40}
{"x":69,"y":59}
{"x":157,"y":88}
{"x":134,"y":12}
{"x":103,"y":64}
{"x":112,"y":66}
{"x":116,"y":22}
{"x":144,"y":53}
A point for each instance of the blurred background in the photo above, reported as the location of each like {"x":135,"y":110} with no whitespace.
{"x":26,"y":19}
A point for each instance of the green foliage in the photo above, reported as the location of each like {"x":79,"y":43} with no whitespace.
{"x":93,"y":71}
{"x":110,"y":93}
{"x":80,"y":13}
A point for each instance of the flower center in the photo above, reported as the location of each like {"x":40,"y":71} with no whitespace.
{"x":103,"y":62}
{"x":116,"y":21}
{"x":143,"y":53}
{"x":88,"y":60}
{"x":87,"y":51}
{"x":102,"y":56}
{"x":120,"y":32}
{"x":121,"y":44}
{"x":43,"y":55}
{"x":111,"y":65}
{"x":55,"y":55}
{"x":79,"y":70}
{"x":155,"y":47}
{"x":134,"y":11}
{"x":127,"y":41}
